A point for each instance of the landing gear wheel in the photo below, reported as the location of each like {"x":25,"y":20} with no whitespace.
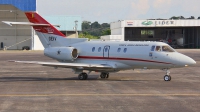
{"x":107,"y":75}
{"x":86,"y":76}
{"x":170,"y":78}
{"x":167,"y":78}
{"x":82,"y":76}
{"x":104,"y":75}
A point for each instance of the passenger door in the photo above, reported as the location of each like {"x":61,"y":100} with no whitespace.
{"x":106,"y":51}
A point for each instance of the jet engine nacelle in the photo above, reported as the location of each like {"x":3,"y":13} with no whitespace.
{"x":61,"y":53}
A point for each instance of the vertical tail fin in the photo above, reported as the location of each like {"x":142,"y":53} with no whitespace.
{"x":48,"y":34}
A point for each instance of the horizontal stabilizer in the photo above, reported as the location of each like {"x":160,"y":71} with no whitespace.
{"x":27,"y":23}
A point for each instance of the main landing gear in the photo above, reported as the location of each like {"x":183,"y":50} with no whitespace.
{"x":167,"y":77}
{"x":104,"y":75}
{"x":83,"y":76}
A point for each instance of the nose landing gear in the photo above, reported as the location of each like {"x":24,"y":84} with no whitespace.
{"x":167,"y":77}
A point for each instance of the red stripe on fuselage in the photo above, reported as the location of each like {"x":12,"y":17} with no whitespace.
{"x":116,"y":58}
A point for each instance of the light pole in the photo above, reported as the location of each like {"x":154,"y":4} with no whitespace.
{"x":75,"y":28}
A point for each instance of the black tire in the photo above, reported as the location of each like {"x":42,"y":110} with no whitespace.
{"x":170,"y":78}
{"x":103,"y":75}
{"x":107,"y":75}
{"x":167,"y":78}
{"x":85,"y":76}
{"x":81,"y":76}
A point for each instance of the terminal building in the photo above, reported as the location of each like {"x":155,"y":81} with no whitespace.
{"x":17,"y":37}
{"x":177,"y":33}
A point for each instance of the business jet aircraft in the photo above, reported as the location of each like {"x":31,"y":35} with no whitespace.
{"x":101,"y":56}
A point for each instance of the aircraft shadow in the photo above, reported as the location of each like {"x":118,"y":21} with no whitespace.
{"x":15,"y":79}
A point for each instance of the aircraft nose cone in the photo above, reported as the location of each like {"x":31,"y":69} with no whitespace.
{"x":185,"y":60}
{"x":190,"y":61}
{"x":193,"y":62}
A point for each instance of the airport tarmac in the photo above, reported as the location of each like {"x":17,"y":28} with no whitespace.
{"x":34,"y":88}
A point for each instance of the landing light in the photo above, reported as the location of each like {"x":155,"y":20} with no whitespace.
{"x":186,"y":65}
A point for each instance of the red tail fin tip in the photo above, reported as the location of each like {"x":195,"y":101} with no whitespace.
{"x":34,"y":17}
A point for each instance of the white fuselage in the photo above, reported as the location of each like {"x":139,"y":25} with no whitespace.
{"x":128,"y":55}
{"x":120,"y":55}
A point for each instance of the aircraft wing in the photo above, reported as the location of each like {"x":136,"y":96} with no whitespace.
{"x":82,"y":66}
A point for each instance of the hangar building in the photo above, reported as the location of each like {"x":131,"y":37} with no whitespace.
{"x":178,"y":33}
{"x":18,"y":36}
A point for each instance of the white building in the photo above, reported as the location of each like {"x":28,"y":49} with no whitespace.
{"x":185,"y":32}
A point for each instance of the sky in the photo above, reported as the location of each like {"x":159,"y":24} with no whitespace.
{"x":106,"y":11}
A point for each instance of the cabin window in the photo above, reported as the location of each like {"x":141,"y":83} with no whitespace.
{"x":152,"y":48}
{"x":125,"y":49}
{"x":99,"y":50}
{"x":167,"y":49}
{"x":119,"y":49}
{"x":93,"y":49}
{"x":158,"y":48}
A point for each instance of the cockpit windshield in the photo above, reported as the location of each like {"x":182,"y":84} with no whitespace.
{"x":167,"y":49}
{"x":158,"y":48}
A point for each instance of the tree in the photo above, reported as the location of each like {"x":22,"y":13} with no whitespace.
{"x":177,"y":17}
{"x":192,"y":17}
{"x":181,"y":17}
{"x":105,"y":25}
{"x":86,"y":25}
{"x":106,"y":32}
{"x":87,"y":35}
{"x":95,"y":29}
{"x":95,"y":25}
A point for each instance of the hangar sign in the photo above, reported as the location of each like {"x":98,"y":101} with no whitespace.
{"x":130,"y":23}
{"x":164,"y":23}
{"x":147,"y":23}
{"x":159,"y":23}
